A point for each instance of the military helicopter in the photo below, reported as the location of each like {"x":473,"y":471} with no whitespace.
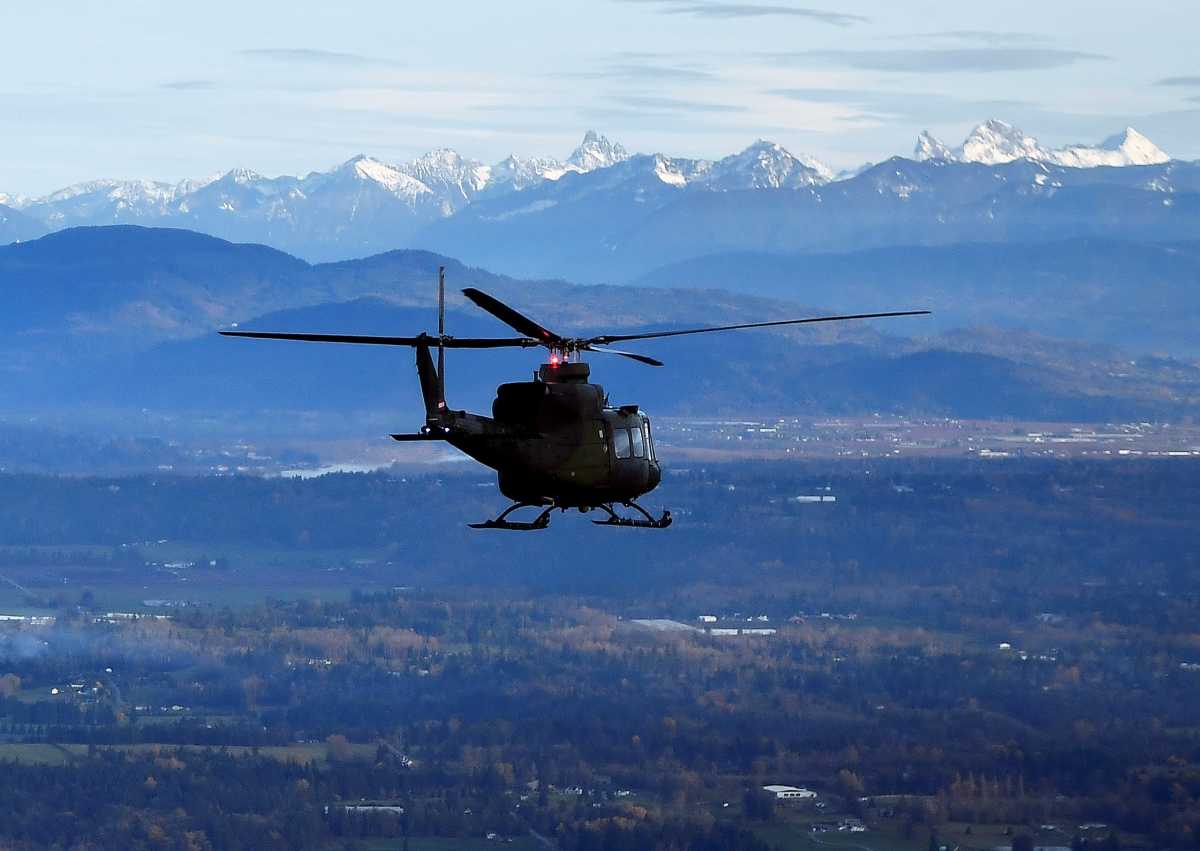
{"x":555,"y":442}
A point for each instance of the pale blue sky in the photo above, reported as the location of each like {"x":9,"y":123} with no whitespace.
{"x":146,"y":88}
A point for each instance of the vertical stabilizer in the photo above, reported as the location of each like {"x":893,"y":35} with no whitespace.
{"x":430,"y":383}
{"x":433,"y":379}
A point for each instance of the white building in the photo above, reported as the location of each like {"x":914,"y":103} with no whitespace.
{"x":790,"y":793}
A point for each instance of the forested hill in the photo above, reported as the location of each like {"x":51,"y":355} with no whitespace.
{"x":123,"y":318}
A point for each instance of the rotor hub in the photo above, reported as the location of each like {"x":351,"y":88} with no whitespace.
{"x":564,"y":372}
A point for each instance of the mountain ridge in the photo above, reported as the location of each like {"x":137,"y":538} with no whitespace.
{"x":365,"y":205}
{"x":994,"y":142}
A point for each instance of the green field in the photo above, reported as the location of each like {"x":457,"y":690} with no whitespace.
{"x":42,"y":754}
{"x":256,"y":574}
{"x":38,"y":754}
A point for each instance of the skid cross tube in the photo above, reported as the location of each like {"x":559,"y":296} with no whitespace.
{"x":542,"y":521}
{"x":649,"y":522}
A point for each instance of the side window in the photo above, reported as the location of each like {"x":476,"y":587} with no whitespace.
{"x":621,"y":442}
{"x":649,"y":441}
{"x":639,"y":442}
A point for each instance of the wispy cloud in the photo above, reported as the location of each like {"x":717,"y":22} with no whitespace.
{"x":675,"y":104}
{"x":659,"y":72}
{"x":1179,"y":81}
{"x":646,"y":72}
{"x":990,"y":37}
{"x":310,"y":56}
{"x":190,"y":85}
{"x":913,"y":107}
{"x":707,"y":9}
{"x":934,"y":61}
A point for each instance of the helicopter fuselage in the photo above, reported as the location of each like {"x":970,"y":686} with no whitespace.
{"x":554,"y":440}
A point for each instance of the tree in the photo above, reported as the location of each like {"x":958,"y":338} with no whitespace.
{"x":759,"y":804}
{"x":337,"y":748}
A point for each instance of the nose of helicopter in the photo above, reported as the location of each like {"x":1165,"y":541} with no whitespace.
{"x":654,"y":476}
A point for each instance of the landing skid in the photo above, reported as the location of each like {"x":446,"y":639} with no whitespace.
{"x":542,"y":521}
{"x":649,"y":522}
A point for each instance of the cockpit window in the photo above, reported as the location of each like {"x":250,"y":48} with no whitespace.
{"x":621,"y":442}
{"x":649,"y":441}
{"x":639,"y":441}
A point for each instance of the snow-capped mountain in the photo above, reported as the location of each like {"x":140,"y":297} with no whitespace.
{"x":931,"y":148}
{"x":514,"y":173}
{"x":447,"y":200}
{"x":104,"y":201}
{"x":994,"y":143}
{"x":766,"y":165}
{"x":236,"y":195}
{"x":395,"y":199}
{"x":437,"y":184}
{"x":453,"y":178}
{"x":362,"y":170}
{"x":594,"y":152}
{"x":1126,"y":148}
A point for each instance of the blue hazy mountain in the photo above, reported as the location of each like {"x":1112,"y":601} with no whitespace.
{"x":1142,"y":296}
{"x":15,"y":225}
{"x":85,"y":330}
{"x":752,"y":372}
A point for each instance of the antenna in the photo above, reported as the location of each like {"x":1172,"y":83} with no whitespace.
{"x":441,"y":365}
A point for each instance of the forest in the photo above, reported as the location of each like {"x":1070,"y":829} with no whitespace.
{"x":951,"y":654}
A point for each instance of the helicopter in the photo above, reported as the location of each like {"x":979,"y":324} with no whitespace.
{"x":555,"y":442}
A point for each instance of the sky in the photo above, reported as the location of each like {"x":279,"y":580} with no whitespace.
{"x":146,"y":88}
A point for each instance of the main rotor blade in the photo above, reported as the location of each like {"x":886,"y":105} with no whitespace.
{"x":640,"y":358}
{"x":432,"y":342}
{"x":617,"y":338}
{"x":512,"y":318}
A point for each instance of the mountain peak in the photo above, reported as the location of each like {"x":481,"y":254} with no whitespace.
{"x":449,"y":174}
{"x":370,"y":170}
{"x":766,"y":165}
{"x":443,"y":157}
{"x":596,"y":151}
{"x":929,"y":147}
{"x":517,"y":173}
{"x":242,"y":175}
{"x":1135,"y":147}
{"x":995,"y":142}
